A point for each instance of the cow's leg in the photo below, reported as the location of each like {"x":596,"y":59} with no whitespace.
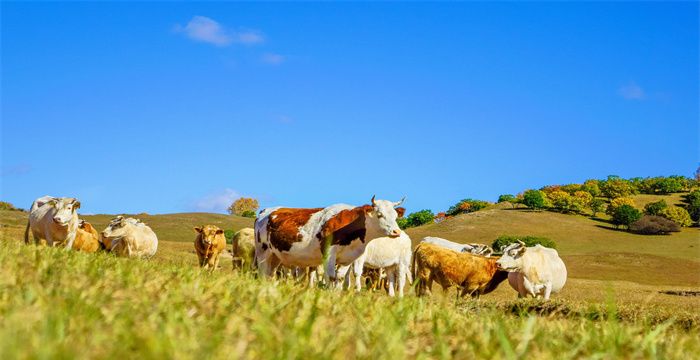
{"x":216,"y":261}
{"x":547,"y":290}
{"x":402,"y":273}
{"x":343,"y":273}
{"x":391,"y":279}
{"x":330,"y":274}
{"x":358,"y":269}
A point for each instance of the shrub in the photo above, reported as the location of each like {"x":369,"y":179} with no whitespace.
{"x":248,"y":214}
{"x":692,"y":201}
{"x":4,"y":205}
{"x":505,"y":240}
{"x":615,"y":187}
{"x":572,"y":188}
{"x":591,"y":186}
{"x":229,"y":235}
{"x":616,"y":203}
{"x":534,"y":199}
{"x":466,"y":206}
{"x":242,"y":205}
{"x":561,"y":200}
{"x":419,"y":218}
{"x":655,"y":208}
{"x":654,"y":225}
{"x":402,"y":222}
{"x":580,"y":200}
{"x":625,"y":215}
{"x":506,"y":198}
{"x":597,"y":205}
{"x":677,"y":214}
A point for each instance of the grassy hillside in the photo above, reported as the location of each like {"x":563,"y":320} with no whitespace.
{"x":63,"y":304}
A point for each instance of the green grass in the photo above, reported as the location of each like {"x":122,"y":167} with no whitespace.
{"x":61,"y":304}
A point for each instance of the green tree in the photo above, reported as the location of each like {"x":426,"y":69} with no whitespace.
{"x":625,"y":215}
{"x":655,"y":208}
{"x":466,"y":206}
{"x":561,"y":200}
{"x":591,"y":186}
{"x":597,"y":205}
{"x":692,"y":204}
{"x":419,"y":218}
{"x":534,"y":199}
{"x":506,"y":197}
{"x":615,"y":187}
{"x":241,"y":205}
{"x":615,"y":203}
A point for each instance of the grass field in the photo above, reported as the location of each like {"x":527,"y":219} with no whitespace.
{"x":60,"y":304}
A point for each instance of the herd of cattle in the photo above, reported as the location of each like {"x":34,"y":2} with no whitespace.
{"x":323,"y":244}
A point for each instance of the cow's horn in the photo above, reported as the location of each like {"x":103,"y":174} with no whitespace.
{"x":400,"y":201}
{"x":373,"y":203}
{"x":521,"y":243}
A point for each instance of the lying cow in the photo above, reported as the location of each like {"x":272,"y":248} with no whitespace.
{"x":209,"y":244}
{"x":129,"y":237}
{"x":86,"y":238}
{"x":53,"y":221}
{"x":304,"y":237}
{"x":535,"y":271}
{"x":475,"y":275}
{"x":243,"y":248}
{"x":478,"y":249}
{"x":391,"y":254}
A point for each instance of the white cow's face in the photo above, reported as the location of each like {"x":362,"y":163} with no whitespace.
{"x":512,"y":259}
{"x":64,"y":209}
{"x":382,"y":218}
{"x":116,"y":228}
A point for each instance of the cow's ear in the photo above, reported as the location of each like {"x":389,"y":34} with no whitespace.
{"x":76,"y":204}
{"x":343,"y":219}
{"x":522,"y":250}
{"x":219,"y":232}
{"x":198,"y":229}
{"x":400,"y":211}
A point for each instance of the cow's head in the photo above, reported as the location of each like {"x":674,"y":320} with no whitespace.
{"x":512,"y":259}
{"x":478,"y":249}
{"x":116,"y":228}
{"x":208,"y":233}
{"x":382,"y":217}
{"x":64,"y":210}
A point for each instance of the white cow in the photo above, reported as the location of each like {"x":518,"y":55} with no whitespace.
{"x":54,"y":220}
{"x":478,"y":249}
{"x":129,"y":237}
{"x":391,"y":254}
{"x":535,"y":271}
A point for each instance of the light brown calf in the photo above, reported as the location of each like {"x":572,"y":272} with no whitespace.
{"x":474,"y":274}
{"x":86,"y":238}
{"x":209,"y":244}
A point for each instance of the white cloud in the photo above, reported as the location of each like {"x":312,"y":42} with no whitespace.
{"x":632,"y":91}
{"x":217,"y":202}
{"x":204,"y":29}
{"x":273,"y":59}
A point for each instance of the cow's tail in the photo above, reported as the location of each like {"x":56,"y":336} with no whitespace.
{"x":414,"y":268}
{"x":26,"y":234}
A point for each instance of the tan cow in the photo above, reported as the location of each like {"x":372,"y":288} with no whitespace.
{"x":243,"y":249}
{"x":129,"y":237}
{"x":86,"y":238}
{"x":209,"y":244}
{"x":474,"y":274}
{"x":53,"y":221}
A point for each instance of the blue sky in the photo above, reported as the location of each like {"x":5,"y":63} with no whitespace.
{"x":171,"y":107}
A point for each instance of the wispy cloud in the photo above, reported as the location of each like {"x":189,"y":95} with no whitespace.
{"x":19,"y":169}
{"x":273,"y":59}
{"x":284,"y":119}
{"x":632,"y":91}
{"x":207,"y":30}
{"x":216,"y":202}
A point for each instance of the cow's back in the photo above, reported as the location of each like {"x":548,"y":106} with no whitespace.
{"x":243,"y":244}
{"x":138,"y":240}
{"x":544,"y":264}
{"x":444,"y":243}
{"x":385,"y":251}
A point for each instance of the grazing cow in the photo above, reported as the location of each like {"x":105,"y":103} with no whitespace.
{"x":209,"y":244}
{"x":478,"y":249}
{"x":243,"y":248}
{"x":391,"y":254}
{"x":53,"y":221}
{"x":86,"y":238}
{"x":129,"y":237}
{"x":475,"y":275}
{"x":304,"y":237}
{"x":535,"y":271}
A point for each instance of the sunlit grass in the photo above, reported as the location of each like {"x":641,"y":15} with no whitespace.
{"x":61,"y":304}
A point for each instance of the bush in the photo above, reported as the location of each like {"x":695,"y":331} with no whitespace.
{"x":692,"y":201}
{"x":655,"y":208}
{"x":625,"y":215}
{"x":654,"y":225}
{"x":4,"y":205}
{"x":506,"y":198}
{"x":248,"y":214}
{"x":466,"y":206}
{"x":561,"y":200}
{"x":677,"y":214}
{"x":616,"y":203}
{"x":505,"y":240}
{"x":402,"y":222}
{"x":534,"y":199}
{"x":419,"y":218}
{"x":229,"y":235}
{"x":615,"y":187}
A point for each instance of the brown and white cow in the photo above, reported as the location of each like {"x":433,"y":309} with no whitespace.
{"x":474,"y":274}
{"x":304,"y":237}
